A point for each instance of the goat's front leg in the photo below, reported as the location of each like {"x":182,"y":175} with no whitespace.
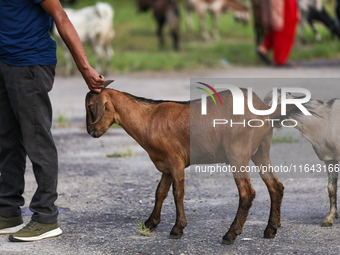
{"x":332,"y":192}
{"x":190,"y":21}
{"x":215,"y":30}
{"x":69,"y":62}
{"x":246,"y":196}
{"x":178,"y":191}
{"x":160,"y":35}
{"x":161,"y":193}
{"x":202,"y":25}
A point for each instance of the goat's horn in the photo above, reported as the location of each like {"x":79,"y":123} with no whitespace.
{"x":107,"y":82}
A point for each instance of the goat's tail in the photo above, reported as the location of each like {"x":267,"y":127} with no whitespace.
{"x":105,"y":12}
{"x":291,"y":110}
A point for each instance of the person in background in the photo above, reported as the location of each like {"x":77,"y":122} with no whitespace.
{"x":280,"y":18}
{"x":27,"y":69}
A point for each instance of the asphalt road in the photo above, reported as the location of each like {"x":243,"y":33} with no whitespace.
{"x":101,"y":199}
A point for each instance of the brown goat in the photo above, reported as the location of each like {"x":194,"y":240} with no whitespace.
{"x":164,"y":12}
{"x":166,"y":128}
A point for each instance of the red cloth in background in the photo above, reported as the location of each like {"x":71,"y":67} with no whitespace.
{"x":282,"y":41}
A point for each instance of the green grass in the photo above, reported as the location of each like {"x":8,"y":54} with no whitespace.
{"x":62,"y":121}
{"x":136,"y":45}
{"x":127,"y":153}
{"x":284,"y":139}
{"x":144,"y":230}
{"x":115,"y":126}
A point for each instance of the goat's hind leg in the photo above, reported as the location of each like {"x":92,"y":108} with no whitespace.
{"x":161,"y":193}
{"x":173,"y":20}
{"x":275,"y":188}
{"x":100,"y":52}
{"x":310,"y":21}
{"x":332,"y":192}
{"x":108,"y":55}
{"x":178,"y":192}
{"x":246,"y":196}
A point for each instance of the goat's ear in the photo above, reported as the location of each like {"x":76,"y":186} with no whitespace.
{"x":98,"y":110}
{"x":107,"y":82}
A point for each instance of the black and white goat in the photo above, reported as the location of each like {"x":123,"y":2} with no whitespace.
{"x":313,"y":10}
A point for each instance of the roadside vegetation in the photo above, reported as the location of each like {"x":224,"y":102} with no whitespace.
{"x":284,"y":139}
{"x":136,"y":45}
{"x":62,"y":121}
{"x":144,"y":230}
{"x":119,"y":154}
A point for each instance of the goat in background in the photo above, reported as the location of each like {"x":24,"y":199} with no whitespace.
{"x":164,"y":12}
{"x":216,"y":7}
{"x":168,"y":129}
{"x":94,"y":25}
{"x":311,"y":10}
{"x":322,"y":130}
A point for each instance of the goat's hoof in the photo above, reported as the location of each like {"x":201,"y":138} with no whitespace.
{"x":227,"y":241}
{"x":326,"y":224}
{"x":151,"y":224}
{"x":175,"y":236}
{"x":267,"y":236}
{"x":270,"y":233}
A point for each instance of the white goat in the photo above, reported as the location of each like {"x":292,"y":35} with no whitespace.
{"x":322,"y":129}
{"x":94,"y":25}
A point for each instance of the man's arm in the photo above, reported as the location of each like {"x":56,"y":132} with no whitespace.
{"x":72,"y":41}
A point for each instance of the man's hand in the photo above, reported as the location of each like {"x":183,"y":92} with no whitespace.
{"x":94,"y":81}
{"x":72,"y":41}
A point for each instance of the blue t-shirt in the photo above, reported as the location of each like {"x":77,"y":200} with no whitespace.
{"x":24,"y":34}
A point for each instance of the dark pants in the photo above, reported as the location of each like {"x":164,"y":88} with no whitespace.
{"x":25,"y":129}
